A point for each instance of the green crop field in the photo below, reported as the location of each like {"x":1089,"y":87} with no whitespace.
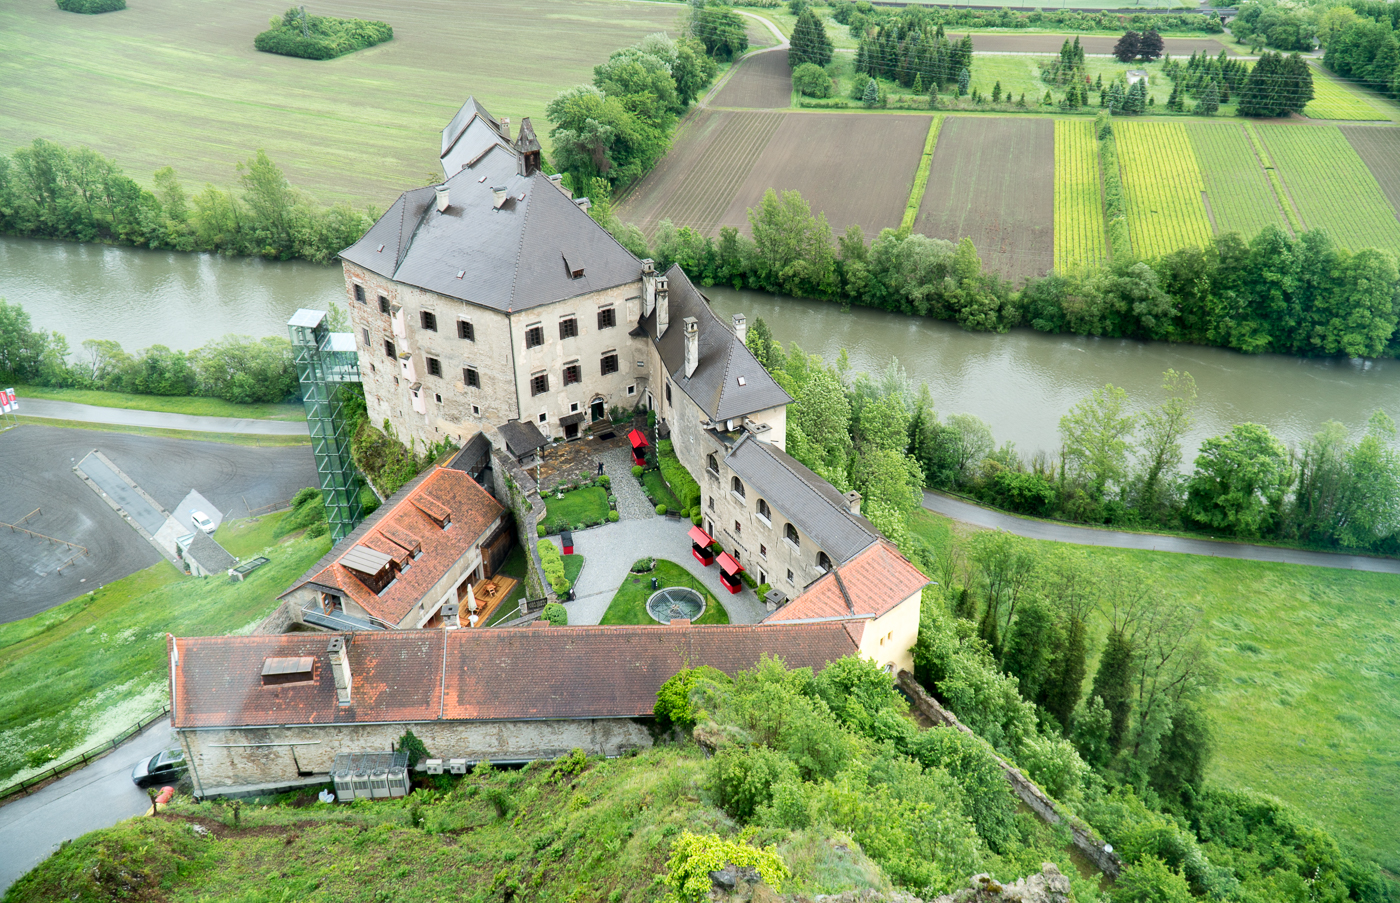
{"x":1331,"y":186}
{"x":1079,"y":228}
{"x":1333,"y":99}
{"x":1163,"y":186}
{"x":1241,"y":199}
{"x":177,"y":82}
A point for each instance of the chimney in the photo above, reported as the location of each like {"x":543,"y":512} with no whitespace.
{"x":441,"y":197}
{"x":741,"y":327}
{"x":505,"y":127}
{"x":853,"y":501}
{"x":502,"y":194}
{"x":450,"y":618}
{"x":692,"y":345}
{"x":340,"y":667}
{"x":648,"y":286}
{"x":663,"y":305}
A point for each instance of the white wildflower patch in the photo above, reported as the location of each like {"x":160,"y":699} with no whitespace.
{"x":104,"y":716}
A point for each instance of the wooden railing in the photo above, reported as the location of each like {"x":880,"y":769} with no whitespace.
{"x":78,"y":761}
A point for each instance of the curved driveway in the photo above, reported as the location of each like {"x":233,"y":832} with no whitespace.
{"x":91,"y":413}
{"x":1147,"y":542}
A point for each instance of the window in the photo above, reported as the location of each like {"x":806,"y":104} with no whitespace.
{"x":712,"y":464}
{"x":437,"y":398}
{"x":573,"y":373}
{"x":738,"y":528}
{"x":610,"y":363}
{"x":389,"y":349}
{"x":762,"y":553}
{"x":631,"y":390}
{"x":607,"y":318}
{"x":789,"y":575}
{"x":365,"y":332}
{"x":383,"y":304}
{"x":360,"y":293}
{"x":539,"y":384}
{"x":765,"y":512}
{"x":476,"y":411}
{"x":823,"y":561}
{"x":470,"y":378}
{"x":668,"y":393}
{"x":573,"y":407}
{"x":534,"y":336}
{"x":790,"y":533}
{"x":434,"y":367}
{"x":466,"y":331}
{"x":712,"y":503}
{"x":544,"y":418}
{"x":737,"y":487}
{"x":568,"y":329}
{"x":762,"y":576}
{"x":428,"y":320}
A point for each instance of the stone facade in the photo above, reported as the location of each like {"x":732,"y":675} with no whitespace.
{"x":225,"y":760}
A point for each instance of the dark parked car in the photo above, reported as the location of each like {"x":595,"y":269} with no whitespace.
{"x":162,"y":768}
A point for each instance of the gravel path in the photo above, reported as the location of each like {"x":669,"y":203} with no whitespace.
{"x":611,"y":549}
{"x":632,"y":501}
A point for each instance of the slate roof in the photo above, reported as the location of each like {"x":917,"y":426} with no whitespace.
{"x":509,"y":258}
{"x":477,"y":675}
{"x":723,"y":358}
{"x":522,"y":437}
{"x":814,"y":506}
{"x":412,"y":524}
{"x":471,"y":131}
{"x":211,"y":556}
{"x":872,"y":583}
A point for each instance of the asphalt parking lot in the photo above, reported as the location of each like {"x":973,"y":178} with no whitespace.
{"x":36,"y":463}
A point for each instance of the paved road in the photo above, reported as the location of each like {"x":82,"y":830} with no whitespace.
{"x":89,"y":413}
{"x":1087,"y":536}
{"x":97,"y":796}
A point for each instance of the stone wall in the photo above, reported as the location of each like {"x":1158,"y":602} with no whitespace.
{"x":515,"y":488}
{"x":281,"y":619}
{"x":1088,"y":842}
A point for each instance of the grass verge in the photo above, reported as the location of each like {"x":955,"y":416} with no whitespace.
{"x":192,"y":435}
{"x":78,"y":674}
{"x":1305,"y":706}
{"x":657,"y":489}
{"x":169,"y":404}
{"x":916,"y":197}
{"x":582,"y":506}
{"x":629,"y":606}
{"x":246,"y":537}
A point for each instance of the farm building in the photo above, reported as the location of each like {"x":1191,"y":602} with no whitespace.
{"x":256,"y":713}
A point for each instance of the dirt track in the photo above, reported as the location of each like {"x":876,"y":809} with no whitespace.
{"x":1050,"y":43}
{"x":37,"y":463}
{"x":993,"y":180}
{"x":763,"y":81}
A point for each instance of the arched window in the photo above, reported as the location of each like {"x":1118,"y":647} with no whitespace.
{"x":764,"y":511}
{"x":712,"y":463}
{"x":791,"y":533}
{"x":738,"y":486}
{"x":823,"y":561}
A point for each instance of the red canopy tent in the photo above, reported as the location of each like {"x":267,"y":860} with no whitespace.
{"x":639,"y":444}
{"x":700,"y":542}
{"x":729,"y":573}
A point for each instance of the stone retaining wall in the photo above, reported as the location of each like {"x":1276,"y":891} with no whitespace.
{"x":515,"y":488}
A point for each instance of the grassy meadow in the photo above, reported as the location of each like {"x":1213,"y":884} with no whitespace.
{"x":1307,"y":661}
{"x":81,"y":673}
{"x":177,"y":82}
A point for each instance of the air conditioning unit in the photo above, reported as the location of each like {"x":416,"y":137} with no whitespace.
{"x":457,"y":766}
{"x":434,"y":766}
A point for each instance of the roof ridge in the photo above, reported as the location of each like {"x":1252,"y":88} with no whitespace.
{"x":841,"y":585}
{"x":405,"y":245}
{"x":520,"y":246}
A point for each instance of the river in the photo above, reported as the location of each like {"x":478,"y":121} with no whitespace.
{"x":1020,"y":383}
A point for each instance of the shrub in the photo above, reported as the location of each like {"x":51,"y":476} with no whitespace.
{"x":605,"y":481}
{"x":673,"y":699}
{"x":682,"y":484}
{"x":417,"y":751}
{"x":763,"y":589}
{"x":660,"y":509}
{"x":541,"y":530}
{"x":694,"y":856}
{"x":636,"y":470}
{"x":553,"y":564}
{"x":329,"y":37}
{"x":811,"y":80}
{"x":556,"y":614}
{"x":742,"y":778}
{"x":91,"y":6}
{"x":612,"y":517}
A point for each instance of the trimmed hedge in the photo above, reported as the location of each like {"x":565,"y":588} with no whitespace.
{"x":329,"y":37}
{"x":91,"y":7}
{"x":682,"y":484}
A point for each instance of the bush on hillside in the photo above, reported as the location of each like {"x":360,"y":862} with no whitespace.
{"x":91,"y":7}
{"x":317,"y":37}
{"x":811,"y":80}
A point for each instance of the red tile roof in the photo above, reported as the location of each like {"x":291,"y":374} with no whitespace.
{"x":871,"y":583}
{"x":491,"y":675}
{"x":414,"y":523}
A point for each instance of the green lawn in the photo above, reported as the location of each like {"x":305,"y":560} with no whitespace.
{"x":1306,"y":706}
{"x":81,"y":673}
{"x":192,"y":435}
{"x":174,"y":404}
{"x":629,"y":606}
{"x":582,"y":506}
{"x":657,"y":488}
{"x":248,"y":536}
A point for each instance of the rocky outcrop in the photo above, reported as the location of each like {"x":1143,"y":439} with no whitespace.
{"x":742,"y":885}
{"x":1050,"y":886}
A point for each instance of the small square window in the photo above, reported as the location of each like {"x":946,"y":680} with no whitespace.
{"x":466,"y":331}
{"x":428,"y":319}
{"x":573,"y":407}
{"x":476,"y":411}
{"x":573,"y":373}
{"x":568,"y":329}
{"x":738,"y":528}
{"x":607,"y":318}
{"x":631,"y":390}
{"x":360,"y":293}
{"x":762,"y":553}
{"x":712,"y":503}
{"x":389,"y":349}
{"x":365,"y":333}
{"x":539,"y":384}
{"x":437,"y":398}
{"x":610,"y":363}
{"x":789,"y":575}
{"x":544,"y":418}
{"x":383,"y":304}
{"x":470,"y":378}
{"x":434,"y":367}
{"x":534,"y":336}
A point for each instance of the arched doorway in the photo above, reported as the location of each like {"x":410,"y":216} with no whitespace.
{"x":598,"y":409}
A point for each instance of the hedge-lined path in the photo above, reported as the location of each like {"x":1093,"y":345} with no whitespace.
{"x":632,"y":501}
{"x":611,"y":550}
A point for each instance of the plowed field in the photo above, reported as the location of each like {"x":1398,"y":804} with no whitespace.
{"x":1379,"y":149}
{"x":763,"y":81}
{"x":993,"y":181}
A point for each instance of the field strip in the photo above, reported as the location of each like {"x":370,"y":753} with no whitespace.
{"x":1162,"y":183}
{"x":1238,"y":195}
{"x":916,"y":196}
{"x":1335,"y":99}
{"x":710,"y":186}
{"x":1281,"y":195}
{"x":1380,"y":150}
{"x":1079,"y":221}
